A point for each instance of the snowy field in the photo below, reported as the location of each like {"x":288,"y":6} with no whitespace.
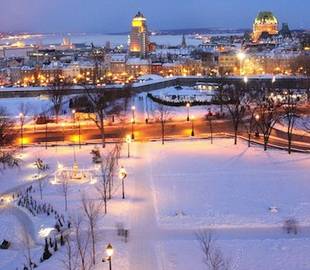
{"x":33,"y":105}
{"x":228,"y":186}
{"x":146,"y":108}
{"x":173,"y":191}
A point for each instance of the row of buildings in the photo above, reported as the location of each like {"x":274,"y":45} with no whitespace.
{"x":265,"y":50}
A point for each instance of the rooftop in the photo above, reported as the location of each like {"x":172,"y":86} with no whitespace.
{"x":265,"y":17}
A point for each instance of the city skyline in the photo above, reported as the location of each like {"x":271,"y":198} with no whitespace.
{"x":108,"y":17}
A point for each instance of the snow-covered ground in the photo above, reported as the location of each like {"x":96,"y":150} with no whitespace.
{"x":220,"y":181}
{"x":32,"y":105}
{"x":172,"y":191}
{"x":301,"y":126}
{"x":146,"y":108}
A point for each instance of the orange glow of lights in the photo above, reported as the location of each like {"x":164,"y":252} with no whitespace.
{"x":24,"y":140}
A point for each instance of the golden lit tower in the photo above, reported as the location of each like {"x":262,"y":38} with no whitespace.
{"x":265,"y":22}
{"x":139,"y":37}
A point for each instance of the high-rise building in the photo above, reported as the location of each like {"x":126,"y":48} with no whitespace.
{"x":139,"y":37}
{"x":265,"y":23}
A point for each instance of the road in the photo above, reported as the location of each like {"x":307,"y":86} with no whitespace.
{"x":143,"y":132}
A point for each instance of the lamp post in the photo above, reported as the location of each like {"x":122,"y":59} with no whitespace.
{"x":79,"y":133}
{"x":63,"y":131}
{"x":132,"y":129}
{"x":254,"y":117}
{"x":193,"y":127}
{"x":257,"y":117}
{"x":109,"y":251}
{"x":122,"y":175}
{"x":73,"y":115}
{"x":209,"y":116}
{"x":133,"y":109}
{"x":46,"y":123}
{"x":188,"y":105}
{"x":128,"y":141}
{"x":245,"y":79}
{"x":241,"y":56}
{"x":21,"y":119}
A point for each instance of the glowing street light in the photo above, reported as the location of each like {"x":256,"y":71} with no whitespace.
{"x":128,"y":141}
{"x":188,"y":105}
{"x":257,"y":117}
{"x":209,"y":117}
{"x":132,"y":129}
{"x":22,"y":120}
{"x":193,"y":131}
{"x":63,"y":130}
{"x":273,"y":79}
{"x":110,"y":252}
{"x":241,"y":56}
{"x":245,"y":79}
{"x":122,"y":175}
{"x":133,"y":109}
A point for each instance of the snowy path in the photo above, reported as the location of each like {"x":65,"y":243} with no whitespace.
{"x":24,"y":220}
{"x":143,"y":223}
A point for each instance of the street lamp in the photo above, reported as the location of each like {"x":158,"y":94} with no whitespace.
{"x":241,"y":56}
{"x":79,"y":133}
{"x":188,"y":105}
{"x":246,"y":79}
{"x":209,"y":117}
{"x":257,"y":118}
{"x":133,"y":109}
{"x":63,"y":130}
{"x":193,"y":131}
{"x":109,"y":251}
{"x":132,"y":129}
{"x":128,"y":141}
{"x":21,"y":119}
{"x":122,"y":175}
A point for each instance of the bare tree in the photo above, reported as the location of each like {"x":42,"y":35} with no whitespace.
{"x":99,"y":101}
{"x":7,"y":137}
{"x":290,"y":115}
{"x":162,"y":113}
{"x":57,"y":89}
{"x":41,"y":167}
{"x":64,"y":188}
{"x":69,"y":259}
{"x":82,"y":238}
{"x":234,"y":99}
{"x":104,"y":184}
{"x":24,"y":109}
{"x":92,"y":210}
{"x":213,"y":257}
{"x":254,"y":98}
{"x":269,"y":114}
{"x":101,"y":104}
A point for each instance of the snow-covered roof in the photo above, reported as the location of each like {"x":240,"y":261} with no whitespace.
{"x":118,"y":57}
{"x":149,"y":77}
{"x":137,"y":61}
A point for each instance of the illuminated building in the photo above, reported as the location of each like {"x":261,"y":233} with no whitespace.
{"x":265,"y":22}
{"x":137,"y":67}
{"x":228,"y":62}
{"x":139,"y":37}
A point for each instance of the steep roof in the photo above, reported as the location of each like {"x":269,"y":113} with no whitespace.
{"x":265,"y":17}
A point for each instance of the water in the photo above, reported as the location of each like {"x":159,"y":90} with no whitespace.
{"x":97,"y":39}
